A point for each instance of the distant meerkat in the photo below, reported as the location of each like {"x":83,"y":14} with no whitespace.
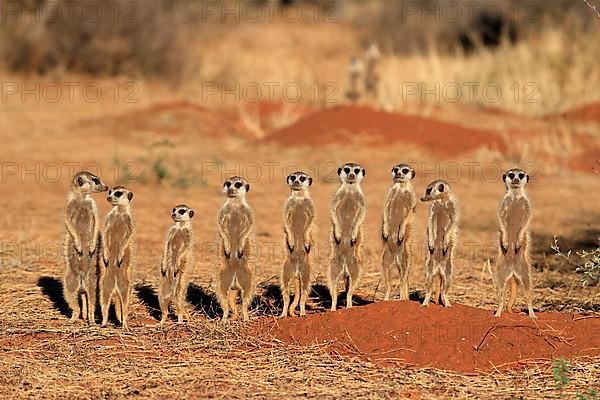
{"x":442,"y":231}
{"x":514,"y":264}
{"x":82,"y":241}
{"x":348,"y":210}
{"x":235,"y":222}
{"x":355,"y":70}
{"x":397,"y":229}
{"x":372,"y":57}
{"x":299,"y":221}
{"x":115,"y":272}
{"x":176,"y":259}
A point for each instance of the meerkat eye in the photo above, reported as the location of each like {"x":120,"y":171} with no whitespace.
{"x":227,"y":184}
{"x":357,"y":171}
{"x":395,"y":170}
{"x":511,"y":175}
{"x":428,"y":191}
{"x":293,"y":178}
{"x":181,"y":211}
{"x":173,"y":211}
{"x":521,"y":175}
{"x":118,"y":194}
{"x":405,"y":171}
{"x":238,"y":185}
{"x":302,"y":178}
{"x":96,"y":180}
{"x":347,"y":170}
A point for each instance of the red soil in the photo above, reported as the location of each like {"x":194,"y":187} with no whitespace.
{"x":589,"y":112}
{"x":461,"y":338}
{"x":348,"y":123}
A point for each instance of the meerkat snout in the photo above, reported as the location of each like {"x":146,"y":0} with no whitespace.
{"x":182,"y":213}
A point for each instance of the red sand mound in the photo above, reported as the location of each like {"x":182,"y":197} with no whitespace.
{"x":461,"y":338}
{"x":345,"y":123}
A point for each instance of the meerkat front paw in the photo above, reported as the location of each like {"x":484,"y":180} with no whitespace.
{"x":352,"y":242}
{"x":290,"y":247}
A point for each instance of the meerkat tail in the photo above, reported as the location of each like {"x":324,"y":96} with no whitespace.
{"x":513,"y":294}
{"x":437,"y":284}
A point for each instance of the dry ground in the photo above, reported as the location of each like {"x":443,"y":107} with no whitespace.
{"x":43,"y":355}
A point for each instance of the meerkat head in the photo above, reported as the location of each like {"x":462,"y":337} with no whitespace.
{"x":236,"y":187}
{"x":119,"y":196}
{"x":299,"y":181}
{"x":182,"y":213}
{"x":87,"y":182}
{"x":436,"y":190}
{"x":515,"y":178}
{"x":351,"y":173}
{"x":373,"y":51}
{"x":403,"y":173}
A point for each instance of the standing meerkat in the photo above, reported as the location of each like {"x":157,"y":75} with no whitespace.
{"x":348,"y":210}
{"x":372,"y":57}
{"x":235,"y":222}
{"x":115,"y":273}
{"x":82,"y":241}
{"x":442,"y":231}
{"x":397,"y":229}
{"x":514,"y":264}
{"x":355,"y":70}
{"x":299,"y":221}
{"x":176,"y":259}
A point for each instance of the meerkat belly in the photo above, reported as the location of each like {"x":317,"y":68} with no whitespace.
{"x":441,"y":222}
{"x":299,"y":224}
{"x":235,"y":227}
{"x":399,"y":211}
{"x":84,"y":224}
{"x":516,"y":218}
{"x":347,"y":212}
{"x":177,"y":247}
{"x":117,"y":235}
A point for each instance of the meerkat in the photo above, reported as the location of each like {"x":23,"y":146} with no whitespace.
{"x":82,"y":241}
{"x":176,"y":259}
{"x":514,"y":265}
{"x":117,"y":255}
{"x":348,"y":210}
{"x":442,"y":231}
{"x":299,"y":221}
{"x":397,"y":229}
{"x":355,"y":70}
{"x":372,"y":57}
{"x":235,"y":221}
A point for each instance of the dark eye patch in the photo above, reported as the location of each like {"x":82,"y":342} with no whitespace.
{"x":395,"y":170}
{"x":238,"y":185}
{"x":441,"y":188}
{"x":293,"y":178}
{"x":521,"y":175}
{"x":181,"y":211}
{"x":428,"y":191}
{"x":405,"y":171}
{"x":118,"y":194}
{"x":228,"y":184}
{"x":173,"y":211}
{"x":96,"y":180}
{"x":357,"y":171}
{"x":511,"y":175}
{"x":347,"y":170}
{"x":302,"y":178}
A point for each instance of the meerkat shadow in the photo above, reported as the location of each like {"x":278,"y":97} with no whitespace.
{"x":53,"y":289}
{"x":204,"y":301}
{"x":269,"y":302}
{"x":322,"y":298}
{"x":148,"y":297}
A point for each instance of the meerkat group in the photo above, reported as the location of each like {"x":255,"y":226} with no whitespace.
{"x":367,"y":69}
{"x":104,"y":258}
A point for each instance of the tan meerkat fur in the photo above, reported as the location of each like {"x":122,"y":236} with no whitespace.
{"x":174,"y":265}
{"x":442,"y":232}
{"x":117,"y":256}
{"x":355,"y":70}
{"x":372,"y":57}
{"x":299,"y":221}
{"x":82,"y":244}
{"x":235,"y":221}
{"x":348,"y":210}
{"x":397,"y":229}
{"x":514,"y":264}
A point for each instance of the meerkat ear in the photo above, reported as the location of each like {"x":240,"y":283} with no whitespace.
{"x":80,"y":181}
{"x":130,"y":195}
{"x":526,"y":178}
{"x":247,"y":187}
{"x":441,"y":188}
{"x":191,"y":214}
{"x":364,"y":172}
{"x":339,"y":171}
{"x":413,"y":173}
{"x":310,"y":180}
{"x":503,"y":177}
